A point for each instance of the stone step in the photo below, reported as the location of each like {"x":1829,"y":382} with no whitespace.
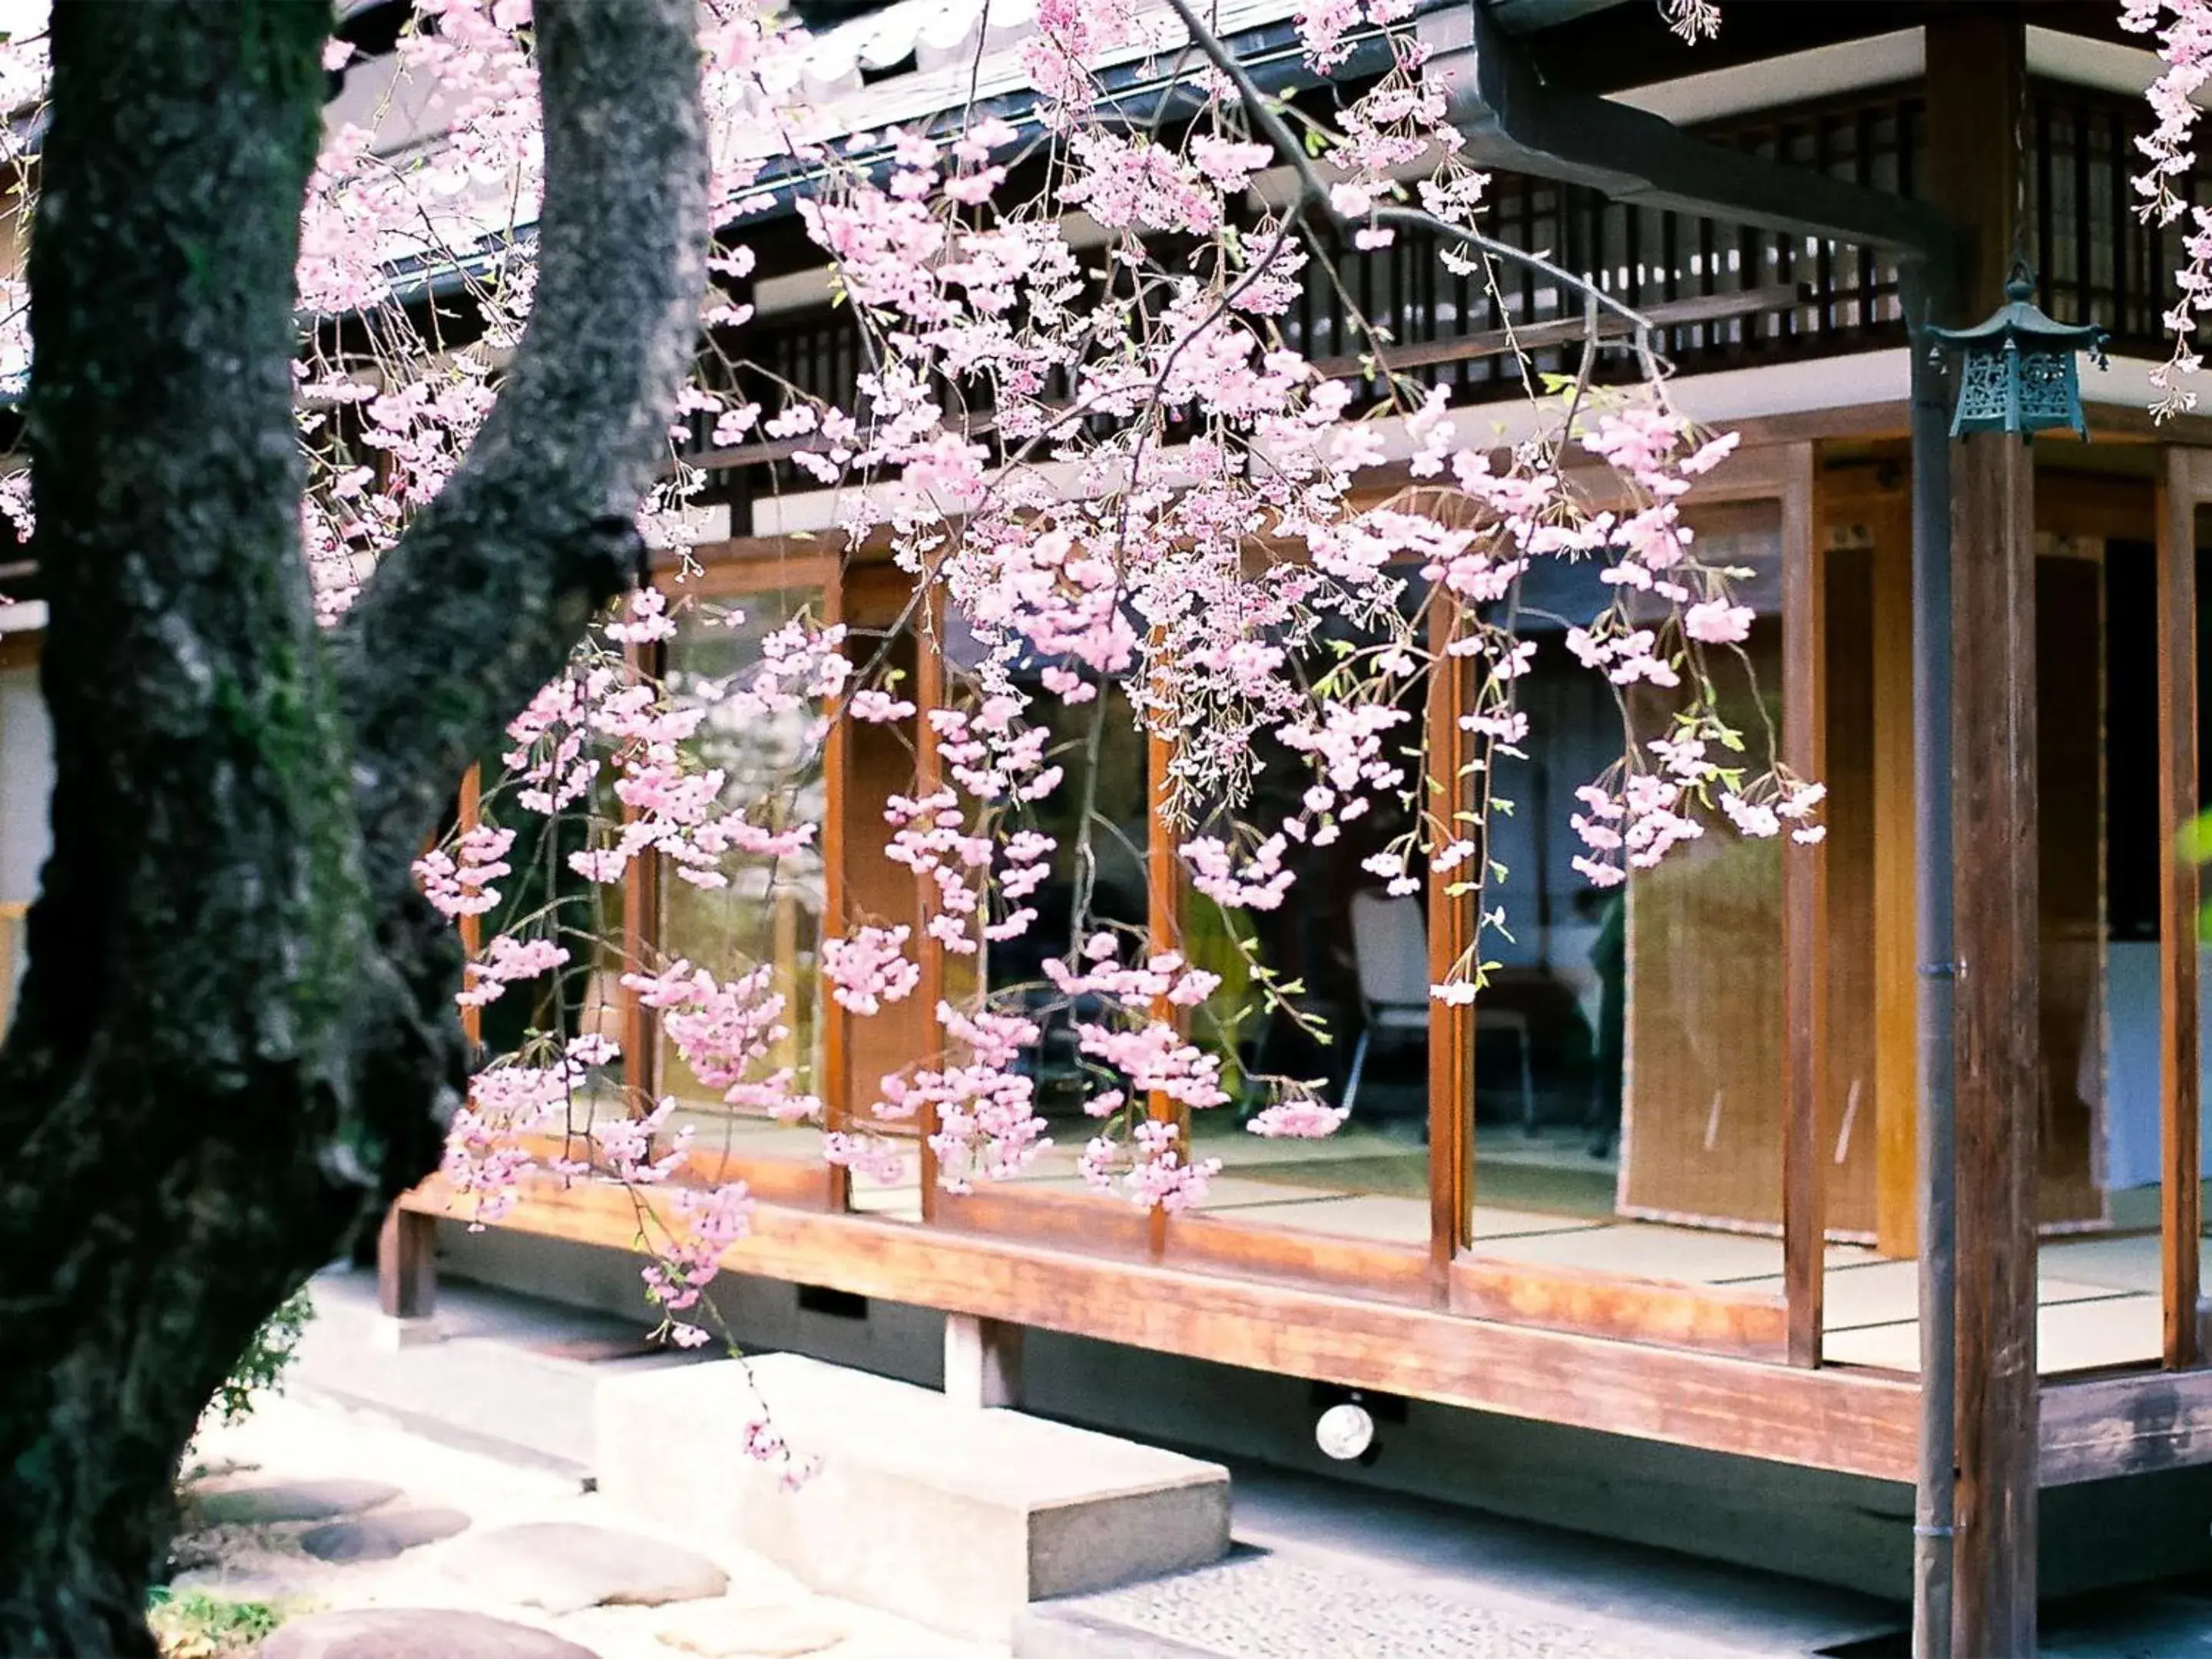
{"x":954,"y":1516}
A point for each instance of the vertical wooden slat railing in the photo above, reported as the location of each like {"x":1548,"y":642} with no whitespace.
{"x":1804,"y":932}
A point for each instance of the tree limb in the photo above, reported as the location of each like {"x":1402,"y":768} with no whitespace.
{"x":480,"y":600}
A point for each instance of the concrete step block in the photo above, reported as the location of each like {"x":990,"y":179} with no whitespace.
{"x":949,"y":1516}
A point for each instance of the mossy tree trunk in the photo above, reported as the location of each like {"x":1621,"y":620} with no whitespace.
{"x":236,"y":1041}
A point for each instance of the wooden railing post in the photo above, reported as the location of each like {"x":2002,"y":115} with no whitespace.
{"x":2181,"y":1194}
{"x":1452,"y":923}
{"x":1804,"y":930}
{"x":406,"y":1276}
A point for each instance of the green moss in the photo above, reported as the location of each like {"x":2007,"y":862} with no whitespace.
{"x":194,"y":1625}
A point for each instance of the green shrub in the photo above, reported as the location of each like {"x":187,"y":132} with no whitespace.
{"x":263,"y":1365}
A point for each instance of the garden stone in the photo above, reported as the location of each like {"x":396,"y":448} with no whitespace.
{"x":292,"y":1500}
{"x":382,"y":1536}
{"x":727,"y":1630}
{"x":563,"y":1567}
{"x":414,"y":1633}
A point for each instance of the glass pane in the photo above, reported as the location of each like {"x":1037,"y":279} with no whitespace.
{"x":1629,"y":1064}
{"x":2070,"y":719}
{"x":2097,"y":722}
{"x":1353,"y":1033}
{"x":770,"y":912}
{"x":1867,"y":857}
{"x":1868,"y":1114}
{"x":1097,"y":819}
{"x":2096,"y":1109}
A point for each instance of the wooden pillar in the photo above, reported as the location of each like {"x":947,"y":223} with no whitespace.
{"x":472,"y":927}
{"x":928,"y":779}
{"x":1451,"y":935}
{"x":1999,"y":1061}
{"x":406,"y":1244}
{"x":1977,"y":75}
{"x":407,"y":1267}
{"x":1896,"y":976}
{"x":835,"y":1083}
{"x":1163,"y":932}
{"x":1804,"y":930}
{"x":641,"y":927}
{"x":2181,"y":1158}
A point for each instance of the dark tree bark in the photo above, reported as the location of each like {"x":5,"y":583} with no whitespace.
{"x":236,"y":1039}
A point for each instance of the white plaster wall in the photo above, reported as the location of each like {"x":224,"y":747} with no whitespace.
{"x":27,"y":780}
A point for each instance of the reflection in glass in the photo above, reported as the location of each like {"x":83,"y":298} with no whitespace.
{"x":1098,"y":821}
{"x":2097,"y":1107}
{"x":1351,"y":1026}
{"x":1629,"y":1066}
{"x":770,"y":912}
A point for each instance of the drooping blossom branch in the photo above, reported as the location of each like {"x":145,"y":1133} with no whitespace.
{"x":2182,"y":32}
{"x":1115,"y":461}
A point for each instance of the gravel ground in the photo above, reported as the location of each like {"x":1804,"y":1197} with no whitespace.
{"x":1278,"y":1604}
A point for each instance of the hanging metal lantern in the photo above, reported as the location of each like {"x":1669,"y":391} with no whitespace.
{"x":2017,"y":372}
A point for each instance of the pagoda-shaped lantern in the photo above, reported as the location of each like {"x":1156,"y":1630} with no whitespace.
{"x":2017,"y":366}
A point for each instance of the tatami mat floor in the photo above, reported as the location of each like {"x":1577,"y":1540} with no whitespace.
{"x":2099,"y":1293}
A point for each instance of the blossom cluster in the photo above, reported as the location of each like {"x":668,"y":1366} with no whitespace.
{"x":2182,"y":32}
{"x":1087,"y":429}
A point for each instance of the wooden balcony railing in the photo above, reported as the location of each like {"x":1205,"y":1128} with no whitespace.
{"x":1725,"y":295}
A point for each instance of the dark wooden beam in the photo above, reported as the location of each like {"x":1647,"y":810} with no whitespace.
{"x":1999,"y":1061}
{"x":1977,"y":81}
{"x":2181,"y":1201}
{"x":2113,"y":1426}
{"x":407,"y":1265}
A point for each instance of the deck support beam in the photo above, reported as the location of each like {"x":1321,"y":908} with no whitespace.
{"x":406,"y":1278}
{"x":983,"y":1361}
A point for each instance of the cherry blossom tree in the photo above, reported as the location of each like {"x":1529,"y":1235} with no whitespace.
{"x":236,"y":1037}
{"x":308,"y":561}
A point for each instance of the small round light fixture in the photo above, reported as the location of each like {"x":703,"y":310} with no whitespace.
{"x":1344,"y":1431}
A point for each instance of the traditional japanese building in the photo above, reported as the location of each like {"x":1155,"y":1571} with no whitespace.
{"x":1656,"y":1237}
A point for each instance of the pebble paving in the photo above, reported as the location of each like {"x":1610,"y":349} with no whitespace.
{"x":1271,"y":1606}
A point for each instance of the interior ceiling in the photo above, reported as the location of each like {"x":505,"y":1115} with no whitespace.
{"x":1605,"y":45}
